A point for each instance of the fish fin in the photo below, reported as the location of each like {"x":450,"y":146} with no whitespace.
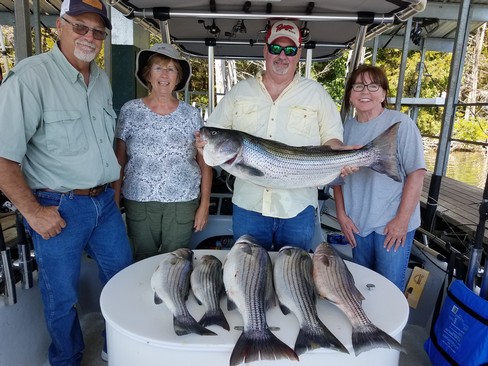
{"x":387,"y":162}
{"x":339,"y":181}
{"x":231,"y":305}
{"x":186,"y":324}
{"x":352,"y":284}
{"x":248,"y":170}
{"x":310,"y":338}
{"x":284,"y":309}
{"x":262,"y":345}
{"x":157,"y":299}
{"x":369,"y":336}
{"x":215,"y":317}
{"x":198,"y":300}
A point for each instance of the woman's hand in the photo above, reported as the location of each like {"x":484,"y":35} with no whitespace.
{"x":199,"y":142}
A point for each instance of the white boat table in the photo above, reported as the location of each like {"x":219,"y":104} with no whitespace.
{"x":140,"y":332}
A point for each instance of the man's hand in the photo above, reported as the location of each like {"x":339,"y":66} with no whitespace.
{"x":46,"y":221}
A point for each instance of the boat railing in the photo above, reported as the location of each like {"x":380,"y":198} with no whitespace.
{"x":17,"y":262}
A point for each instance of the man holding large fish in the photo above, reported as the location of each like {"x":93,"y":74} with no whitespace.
{"x":280,"y":105}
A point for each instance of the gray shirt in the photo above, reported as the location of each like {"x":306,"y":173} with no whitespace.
{"x":60,"y":130}
{"x":371,"y":199}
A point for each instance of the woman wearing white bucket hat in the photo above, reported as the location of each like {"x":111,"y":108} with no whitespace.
{"x":165,"y":184}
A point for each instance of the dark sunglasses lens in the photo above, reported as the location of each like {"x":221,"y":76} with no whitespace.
{"x":83,"y":29}
{"x":99,"y":35}
{"x":275,"y":49}
{"x":80,"y":29}
{"x":290,"y":50}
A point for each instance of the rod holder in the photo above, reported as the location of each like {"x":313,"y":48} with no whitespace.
{"x":484,"y":282}
{"x":473,"y":267}
{"x":25,"y":266}
{"x":7,"y":272}
{"x":25,"y":260}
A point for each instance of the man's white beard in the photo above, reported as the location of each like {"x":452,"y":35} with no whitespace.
{"x":83,"y":55}
{"x":280,"y":67}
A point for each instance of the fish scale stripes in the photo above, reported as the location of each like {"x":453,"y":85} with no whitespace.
{"x":273,"y":164}
{"x":335,"y":283}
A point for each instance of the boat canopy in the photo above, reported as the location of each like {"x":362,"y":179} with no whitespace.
{"x":237,"y":29}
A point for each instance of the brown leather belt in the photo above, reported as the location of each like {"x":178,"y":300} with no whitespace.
{"x":92,"y":192}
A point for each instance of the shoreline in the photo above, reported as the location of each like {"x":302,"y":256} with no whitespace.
{"x":432,"y":143}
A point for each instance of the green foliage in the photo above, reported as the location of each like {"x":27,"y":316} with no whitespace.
{"x":474,"y":129}
{"x":332,"y":76}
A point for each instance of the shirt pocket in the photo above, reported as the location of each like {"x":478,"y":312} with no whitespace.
{"x":246,"y":116}
{"x":109,"y":118}
{"x":65,"y":134}
{"x":303,"y":121}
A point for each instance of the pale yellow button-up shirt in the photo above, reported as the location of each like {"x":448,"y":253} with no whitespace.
{"x":304,"y":114}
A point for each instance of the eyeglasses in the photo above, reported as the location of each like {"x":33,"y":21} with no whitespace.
{"x":160,"y":69}
{"x":83,"y":29}
{"x":360,"y":87}
{"x":275,"y":49}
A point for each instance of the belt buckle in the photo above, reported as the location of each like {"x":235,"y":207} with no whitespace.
{"x":92,"y":192}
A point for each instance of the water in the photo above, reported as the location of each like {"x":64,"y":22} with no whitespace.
{"x":467,"y":167}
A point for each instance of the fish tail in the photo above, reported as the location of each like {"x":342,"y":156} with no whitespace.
{"x":214,"y":317}
{"x":367,"y":337}
{"x":263,"y":345}
{"x":386,"y":145}
{"x":310,"y":338}
{"x":186,"y":324}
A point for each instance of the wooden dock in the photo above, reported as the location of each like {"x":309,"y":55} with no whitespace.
{"x":458,"y":204}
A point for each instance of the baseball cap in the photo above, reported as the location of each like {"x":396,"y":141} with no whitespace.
{"x":284,"y":28}
{"x":78,"y":7}
{"x":164,"y":49}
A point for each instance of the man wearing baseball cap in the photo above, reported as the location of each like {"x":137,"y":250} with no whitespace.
{"x":279,"y":104}
{"x":57,"y":162}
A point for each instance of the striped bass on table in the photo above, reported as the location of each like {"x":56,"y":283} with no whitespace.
{"x":207,"y":284}
{"x":292,"y":276}
{"x":249,"y":286}
{"x":171,"y":285}
{"x":273,"y":164}
{"x":334,"y":282}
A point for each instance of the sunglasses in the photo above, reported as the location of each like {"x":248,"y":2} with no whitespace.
{"x":83,"y":29}
{"x":275,"y":49}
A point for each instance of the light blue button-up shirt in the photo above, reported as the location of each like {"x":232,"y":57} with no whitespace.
{"x":60,"y":130}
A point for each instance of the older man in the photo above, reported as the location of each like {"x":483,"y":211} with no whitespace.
{"x":57,"y":160}
{"x":281,"y":105}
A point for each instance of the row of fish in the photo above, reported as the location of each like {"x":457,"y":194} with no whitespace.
{"x":252,"y":283}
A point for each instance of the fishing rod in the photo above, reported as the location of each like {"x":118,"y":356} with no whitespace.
{"x":477,"y":248}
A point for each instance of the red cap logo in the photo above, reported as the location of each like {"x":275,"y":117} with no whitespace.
{"x":285,"y":27}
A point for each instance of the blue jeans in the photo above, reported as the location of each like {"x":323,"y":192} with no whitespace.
{"x":273,"y":233}
{"x":370,"y":253}
{"x":94,"y":225}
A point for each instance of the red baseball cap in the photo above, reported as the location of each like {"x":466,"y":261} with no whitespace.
{"x":284,"y":28}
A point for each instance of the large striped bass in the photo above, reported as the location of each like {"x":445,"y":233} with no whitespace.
{"x":335,"y":283}
{"x":292,"y":276}
{"x":171,"y":285}
{"x":249,"y":287}
{"x":207,"y":284}
{"x":273,"y":164}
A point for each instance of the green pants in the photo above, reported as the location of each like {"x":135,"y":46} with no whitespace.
{"x":156,"y":227}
